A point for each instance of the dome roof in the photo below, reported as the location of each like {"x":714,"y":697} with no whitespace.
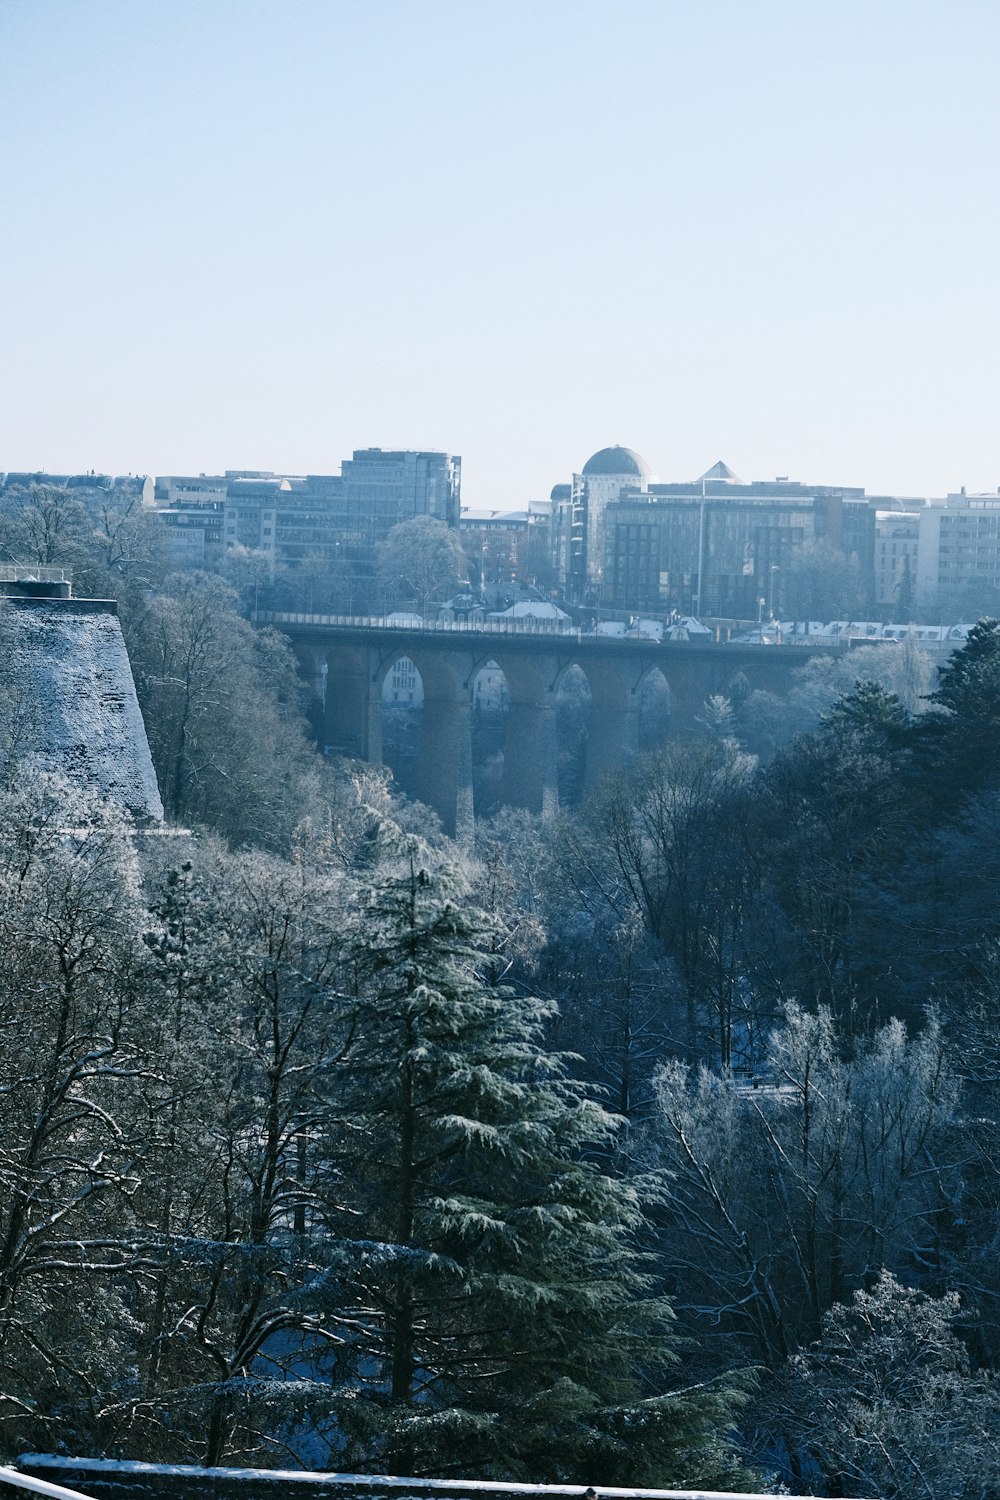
{"x":617,"y":461}
{"x":561,"y":492}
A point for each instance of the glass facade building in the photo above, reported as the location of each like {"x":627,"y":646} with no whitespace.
{"x":722,"y":552}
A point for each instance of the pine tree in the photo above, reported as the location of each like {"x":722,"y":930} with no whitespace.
{"x":502,"y":1312}
{"x":957,"y":746}
{"x":869,"y":709}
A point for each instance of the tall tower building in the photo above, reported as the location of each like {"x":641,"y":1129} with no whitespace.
{"x":606,"y":474}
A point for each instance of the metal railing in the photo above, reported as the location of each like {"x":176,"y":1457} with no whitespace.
{"x":382,"y":622}
{"x":18,"y":572}
{"x":184,"y":1476}
{"x":39,"y":1486}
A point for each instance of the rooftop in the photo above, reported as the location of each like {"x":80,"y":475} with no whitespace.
{"x":616,"y":460}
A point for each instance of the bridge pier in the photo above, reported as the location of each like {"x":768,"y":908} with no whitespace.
{"x":613,"y":731}
{"x":444,"y":769}
{"x":352,"y":718}
{"x":349,"y":661}
{"x":529,"y":758}
{"x":612,"y":741}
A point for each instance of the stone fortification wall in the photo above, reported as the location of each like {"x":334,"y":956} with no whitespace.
{"x":70,"y":702}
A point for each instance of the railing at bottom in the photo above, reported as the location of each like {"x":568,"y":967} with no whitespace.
{"x":110,"y":1479}
{"x":39,"y":1486}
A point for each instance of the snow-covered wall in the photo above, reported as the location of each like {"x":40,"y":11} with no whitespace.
{"x":65,"y":674}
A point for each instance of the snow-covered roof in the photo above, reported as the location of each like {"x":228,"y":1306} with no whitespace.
{"x":531,"y":609}
{"x":65,"y":668}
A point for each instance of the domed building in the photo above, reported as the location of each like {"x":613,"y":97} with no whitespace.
{"x":618,"y":463}
{"x":607,"y":474}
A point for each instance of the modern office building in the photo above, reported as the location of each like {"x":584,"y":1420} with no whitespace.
{"x":87,"y":486}
{"x":715,"y":545}
{"x":721,"y":547}
{"x":381,"y":488}
{"x":958,"y":549}
{"x":507,"y":546}
{"x":192,"y":532}
{"x":576,"y":511}
{"x":567,"y":536}
{"x":317,"y":519}
{"x":897,"y":540}
{"x":193,"y":489}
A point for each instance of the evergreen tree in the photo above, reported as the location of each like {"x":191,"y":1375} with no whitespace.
{"x":958,"y":744}
{"x":872,"y":710}
{"x":502,"y":1312}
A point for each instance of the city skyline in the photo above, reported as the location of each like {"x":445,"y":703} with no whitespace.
{"x":270,"y":234}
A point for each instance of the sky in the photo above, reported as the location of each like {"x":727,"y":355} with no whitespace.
{"x":262,"y":233}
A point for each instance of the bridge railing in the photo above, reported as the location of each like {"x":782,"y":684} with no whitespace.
{"x":381,"y":622}
{"x":36,"y":1486}
{"x":124,"y":1480}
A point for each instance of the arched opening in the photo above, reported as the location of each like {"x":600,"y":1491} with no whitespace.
{"x":490,"y":713}
{"x":402,"y":713}
{"x":654,"y":709}
{"x":574,"y":704}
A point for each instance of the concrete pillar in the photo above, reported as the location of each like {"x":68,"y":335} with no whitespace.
{"x":351,"y":722}
{"x":529,"y":756}
{"x":612,"y":740}
{"x":613,"y":731}
{"x":444,"y":770}
{"x":550,"y":764}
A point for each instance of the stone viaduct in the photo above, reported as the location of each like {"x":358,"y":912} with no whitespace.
{"x":349,"y":661}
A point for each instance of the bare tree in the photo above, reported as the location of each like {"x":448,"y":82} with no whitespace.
{"x":784,"y":1196}
{"x":420,"y":561}
{"x":886,"y":1403}
{"x":74,"y":1071}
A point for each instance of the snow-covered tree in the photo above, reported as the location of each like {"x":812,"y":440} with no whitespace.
{"x":420,"y":560}
{"x":672,"y":840}
{"x":504,"y":1323}
{"x":242,"y":953}
{"x":74,"y":1069}
{"x":781,"y":1198}
{"x":220,"y":702}
{"x":885,"y":1403}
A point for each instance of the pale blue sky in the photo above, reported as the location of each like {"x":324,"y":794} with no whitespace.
{"x":264,"y":232}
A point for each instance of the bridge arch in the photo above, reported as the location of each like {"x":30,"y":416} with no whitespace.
{"x":574,"y":705}
{"x":347,"y":662}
